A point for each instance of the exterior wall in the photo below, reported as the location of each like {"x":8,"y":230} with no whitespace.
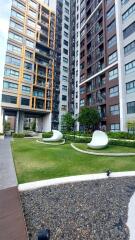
{"x":29,"y":67}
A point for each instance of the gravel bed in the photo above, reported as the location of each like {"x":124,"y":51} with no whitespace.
{"x":93,"y":210}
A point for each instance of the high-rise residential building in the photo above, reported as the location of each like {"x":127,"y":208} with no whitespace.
{"x":29,"y":65}
{"x":107,"y":60}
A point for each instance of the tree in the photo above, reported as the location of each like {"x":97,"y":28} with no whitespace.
{"x":89,"y":118}
{"x":6,"y":126}
{"x":68,"y":121}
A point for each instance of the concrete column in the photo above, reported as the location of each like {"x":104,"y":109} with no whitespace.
{"x":1,"y":120}
{"x":39,"y":124}
{"x":47,"y":122}
{"x":17,"y":122}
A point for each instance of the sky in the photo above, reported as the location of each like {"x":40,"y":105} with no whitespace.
{"x":5,"y":6}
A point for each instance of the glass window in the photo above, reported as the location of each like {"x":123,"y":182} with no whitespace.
{"x":19,"y":5}
{"x":17,"y":15}
{"x":9,"y":99}
{"x":124,"y":1}
{"x":66,"y":10}
{"x":66,"y":18}
{"x":13,"y":48}
{"x":27,"y":77}
{"x":115,"y":127}
{"x":28,"y":54}
{"x":112,"y":58}
{"x":65,"y":34}
{"x":67,"y":3}
{"x":11,"y":73}
{"x":82,"y":102}
{"x":65,"y":59}
{"x":130,"y":86}
{"x":114,"y":91}
{"x":114,"y":110}
{"x":33,"y":4}
{"x":16,"y":26}
{"x":64,"y":78}
{"x":113,"y":74}
{"x":15,"y":37}
{"x":131,"y":107}
{"x":111,"y":26}
{"x":129,"y":48}
{"x":129,"y":30}
{"x":31,"y":23}
{"x":66,"y":26}
{"x":25,"y":101}
{"x":111,"y":12}
{"x":33,"y":14}
{"x":129,"y":12}
{"x":112,"y":41}
{"x":28,"y":65}
{"x":64,"y":98}
{"x":10,"y":85}
{"x":13,"y":61}
{"x":64,"y":88}
{"x":25,"y":89}
{"x":30,"y":33}
{"x":65,"y":43}
{"x":65,"y":69}
{"x":65,"y":51}
{"x":130,"y":67}
{"x":30,"y":44}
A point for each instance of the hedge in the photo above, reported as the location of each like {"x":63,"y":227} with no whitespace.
{"x":121,"y":135}
{"x":47,"y":134}
{"x":18,"y":135}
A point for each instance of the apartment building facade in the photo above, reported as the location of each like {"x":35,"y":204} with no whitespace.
{"x":29,"y":65}
{"x":103,"y":62}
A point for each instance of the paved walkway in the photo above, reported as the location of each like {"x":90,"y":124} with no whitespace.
{"x":12,"y":224}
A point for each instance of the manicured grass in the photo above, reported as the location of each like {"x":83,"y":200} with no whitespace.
{"x":108,"y":149}
{"x":35,"y":161}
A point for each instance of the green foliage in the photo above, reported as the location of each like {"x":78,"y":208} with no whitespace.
{"x":89,"y":118}
{"x":121,"y":135}
{"x":1,"y":134}
{"x":122,"y":143}
{"x":33,"y":125}
{"x":47,"y":134}
{"x":18,"y":135}
{"x":74,"y":138}
{"x":6,"y":126}
{"x":68,"y":122}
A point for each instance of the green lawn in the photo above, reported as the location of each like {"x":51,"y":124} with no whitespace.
{"x":35,"y":161}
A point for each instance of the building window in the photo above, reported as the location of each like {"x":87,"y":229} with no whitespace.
{"x":129,"y":30}
{"x":64,"y":98}
{"x":65,"y":34}
{"x":15,"y":37}
{"x":25,"y":101}
{"x":131,"y":107}
{"x":112,"y":41}
{"x":65,"y":60}
{"x":10,"y":85}
{"x":33,"y":4}
{"x":18,"y":5}
{"x":114,"y":91}
{"x":65,"y":51}
{"x":11,"y":73}
{"x":129,"y":12}
{"x":82,"y":102}
{"x":67,"y":3}
{"x":28,"y":54}
{"x":65,"y":69}
{"x":130,"y":87}
{"x":111,"y":12}
{"x":27,"y":77}
{"x":28,"y":65}
{"x":64,"y":108}
{"x":66,"y":10}
{"x":112,"y":58}
{"x":9,"y":99}
{"x":124,"y":2}
{"x":129,"y":48}
{"x":64,"y":78}
{"x":111,"y":26}
{"x":13,"y":61}
{"x":66,"y":18}
{"x":114,"y":110}
{"x":14,"y":49}
{"x":30,"y":33}
{"x":130,"y":67}
{"x":65,"y":43}
{"x":31,"y":23}
{"x":64,"y":88}
{"x":31,"y":13}
{"x":115,"y":127}
{"x":17,"y":15}
{"x":25,"y":89}
{"x":113,"y":74}
{"x":82,"y":90}
{"x":16,"y":26}
{"x":66,"y":26}
{"x":29,"y":44}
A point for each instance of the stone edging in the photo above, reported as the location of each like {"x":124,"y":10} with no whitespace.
{"x":52,"y":143}
{"x":64,"y":180}
{"x":102,"y":154}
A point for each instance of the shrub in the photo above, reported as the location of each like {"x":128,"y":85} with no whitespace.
{"x":18,"y":135}
{"x":47,"y":134}
{"x":121,"y":135}
{"x":76,"y":139}
{"x":122,"y":143}
{"x":1,"y":134}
